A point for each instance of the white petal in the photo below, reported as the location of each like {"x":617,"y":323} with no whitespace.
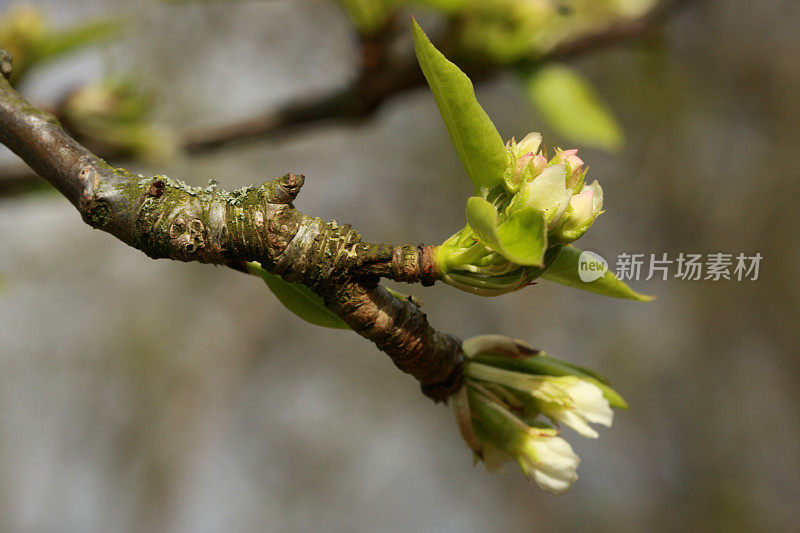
{"x":530,"y":143}
{"x":556,"y":464}
{"x":581,"y":208}
{"x":597,"y":197}
{"x":560,"y":210}
{"x":574,"y":420}
{"x":547,"y":189}
{"x":552,"y":484}
{"x":589,"y":402}
{"x":554,"y":455}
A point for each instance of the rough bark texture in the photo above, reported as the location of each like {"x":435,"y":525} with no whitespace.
{"x":166,"y":218}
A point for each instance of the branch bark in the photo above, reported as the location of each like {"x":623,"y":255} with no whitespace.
{"x":165,"y":218}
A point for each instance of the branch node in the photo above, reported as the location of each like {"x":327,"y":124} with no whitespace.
{"x":283,"y":190}
{"x":96,"y":212}
{"x":291,"y":183}
{"x":156,"y":189}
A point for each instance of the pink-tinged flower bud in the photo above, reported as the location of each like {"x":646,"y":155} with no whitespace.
{"x":539,"y":164}
{"x":581,"y":207}
{"x":584,"y":208}
{"x":522,"y":165}
{"x":574,"y":166}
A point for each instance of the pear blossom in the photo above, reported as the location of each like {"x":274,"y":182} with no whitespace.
{"x":541,"y":454}
{"x":551,"y":461}
{"x":583,"y":209}
{"x":539,"y":206}
{"x":585,"y":404}
{"x":574,"y":165}
{"x":511,"y":390}
{"x":565,"y":399}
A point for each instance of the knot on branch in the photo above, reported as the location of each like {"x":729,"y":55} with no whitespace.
{"x":173,"y":220}
{"x":415,"y":264}
{"x":283,"y":190}
{"x":188,"y":235}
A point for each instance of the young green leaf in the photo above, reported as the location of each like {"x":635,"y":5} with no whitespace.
{"x":522,"y":239}
{"x":564,"y":270}
{"x":477,"y":142}
{"x":570,"y":104}
{"x":299,"y":299}
{"x":58,"y":43}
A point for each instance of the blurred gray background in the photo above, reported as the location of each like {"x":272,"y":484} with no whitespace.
{"x":140,"y":395}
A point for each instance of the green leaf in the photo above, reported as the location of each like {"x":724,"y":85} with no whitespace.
{"x":522,"y":239}
{"x":299,"y":299}
{"x":58,"y":43}
{"x":446,"y":6}
{"x":477,"y":142}
{"x":369,"y":16}
{"x":550,"y":366}
{"x":564,"y":270}
{"x":571,"y":105}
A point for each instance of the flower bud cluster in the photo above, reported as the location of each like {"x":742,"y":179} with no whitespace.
{"x":553,"y":187}
{"x":513,"y":398}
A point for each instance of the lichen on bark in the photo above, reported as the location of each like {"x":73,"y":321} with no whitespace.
{"x":167,"y":218}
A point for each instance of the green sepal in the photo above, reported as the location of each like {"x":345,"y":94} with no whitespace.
{"x":477,"y":142}
{"x":298,"y":299}
{"x":564,"y":270}
{"x":522,"y":238}
{"x":497,"y":426}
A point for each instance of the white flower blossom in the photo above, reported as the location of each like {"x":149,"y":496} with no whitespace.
{"x":569,"y":400}
{"x":551,"y":461}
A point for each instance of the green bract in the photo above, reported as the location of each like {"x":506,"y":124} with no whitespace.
{"x":475,"y":138}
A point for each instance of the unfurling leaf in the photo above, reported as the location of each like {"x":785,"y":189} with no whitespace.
{"x":477,"y":142}
{"x":299,"y":299}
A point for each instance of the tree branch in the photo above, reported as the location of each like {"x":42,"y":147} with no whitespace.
{"x":380,"y":79}
{"x":374,"y":86}
{"x":165,"y":218}
{"x":626,"y":31}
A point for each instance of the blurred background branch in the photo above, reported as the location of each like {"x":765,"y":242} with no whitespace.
{"x":113,"y":117}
